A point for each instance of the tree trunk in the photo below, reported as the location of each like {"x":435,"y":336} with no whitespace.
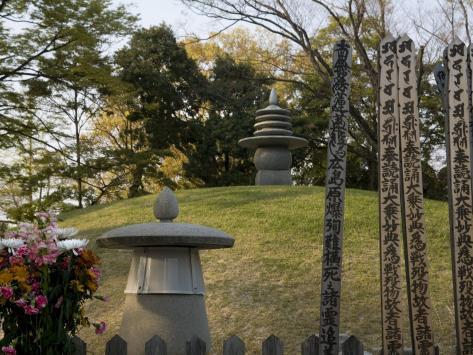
{"x":78,"y":151}
{"x":136,"y":187}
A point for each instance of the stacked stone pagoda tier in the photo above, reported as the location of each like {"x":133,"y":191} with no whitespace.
{"x":273,"y":141}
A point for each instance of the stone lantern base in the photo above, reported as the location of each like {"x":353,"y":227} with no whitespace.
{"x":174,"y":318}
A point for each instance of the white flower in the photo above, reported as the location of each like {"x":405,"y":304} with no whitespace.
{"x":69,"y":244}
{"x":66,"y":232}
{"x":12,"y":243}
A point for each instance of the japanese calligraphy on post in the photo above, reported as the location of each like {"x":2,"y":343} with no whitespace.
{"x":334,"y":201}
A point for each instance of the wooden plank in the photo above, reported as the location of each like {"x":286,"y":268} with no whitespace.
{"x":389,"y":199}
{"x":273,"y":346}
{"x":196,"y":346}
{"x":460,"y":203}
{"x":80,"y":347}
{"x":234,"y":346}
{"x":352,"y":346}
{"x":415,"y":243}
{"x":335,"y":201}
{"x":156,"y":346}
{"x":116,"y":346}
{"x":310,"y":346}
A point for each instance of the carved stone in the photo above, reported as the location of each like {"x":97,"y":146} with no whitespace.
{"x":165,"y":288}
{"x":273,"y":142}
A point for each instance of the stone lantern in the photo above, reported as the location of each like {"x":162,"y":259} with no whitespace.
{"x":273,"y":142}
{"x":165,"y":288}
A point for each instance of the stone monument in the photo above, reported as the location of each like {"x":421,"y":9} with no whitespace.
{"x":165,"y":288}
{"x":273,"y":142}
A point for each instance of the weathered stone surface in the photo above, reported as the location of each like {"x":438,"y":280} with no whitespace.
{"x":176,"y":318}
{"x":290,"y":142}
{"x":274,"y":124}
{"x":165,"y":290}
{"x":273,"y":141}
{"x":273,"y":177}
{"x":166,"y":207}
{"x":165,"y":234}
{"x":270,"y":131}
{"x":272,"y":158}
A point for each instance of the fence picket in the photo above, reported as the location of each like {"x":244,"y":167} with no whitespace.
{"x":352,"y":346}
{"x":116,"y":346}
{"x":310,"y":346}
{"x":234,"y":346}
{"x":156,"y":346}
{"x":196,"y":346}
{"x":273,"y":346}
{"x":80,"y":347}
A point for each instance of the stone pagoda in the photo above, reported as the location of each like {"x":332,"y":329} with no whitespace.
{"x":273,"y":141}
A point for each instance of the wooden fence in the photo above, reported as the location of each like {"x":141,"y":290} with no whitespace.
{"x":232,"y":346}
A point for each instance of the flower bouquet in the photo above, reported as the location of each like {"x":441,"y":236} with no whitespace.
{"x":44,"y":283}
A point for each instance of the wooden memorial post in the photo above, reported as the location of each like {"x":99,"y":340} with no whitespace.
{"x":460,"y":199}
{"x":334,"y":201}
{"x":389,"y":198}
{"x":415,"y":244}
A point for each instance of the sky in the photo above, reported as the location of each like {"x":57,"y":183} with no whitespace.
{"x":174,"y":13}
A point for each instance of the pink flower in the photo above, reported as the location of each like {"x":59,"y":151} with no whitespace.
{"x":44,"y":253}
{"x":100,"y":328}
{"x":41,"y":301}
{"x":9,"y":350}
{"x":15,"y":260}
{"x":59,"y":302}
{"x":30,"y":310}
{"x":36,"y":286}
{"x":22,"y":251}
{"x":7,"y":292}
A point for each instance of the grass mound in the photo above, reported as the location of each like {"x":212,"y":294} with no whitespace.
{"x":269,"y":283}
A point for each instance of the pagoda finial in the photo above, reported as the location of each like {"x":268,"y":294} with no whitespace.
{"x":273,"y":97}
{"x":166,"y":207}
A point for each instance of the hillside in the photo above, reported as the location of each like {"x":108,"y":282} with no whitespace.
{"x":270,"y":281}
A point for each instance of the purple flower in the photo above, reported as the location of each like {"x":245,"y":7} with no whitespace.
{"x":100,"y":328}
{"x":41,"y":301}
{"x":21,"y":303}
{"x":10,"y":350}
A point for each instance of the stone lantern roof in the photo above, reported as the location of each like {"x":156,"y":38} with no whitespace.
{"x":165,"y":233}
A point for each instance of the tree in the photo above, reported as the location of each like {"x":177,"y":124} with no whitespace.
{"x":32,"y":31}
{"x":74,"y":79}
{"x":28,"y":184}
{"x":166,"y":97}
{"x":363,"y":24}
{"x":236,"y":91}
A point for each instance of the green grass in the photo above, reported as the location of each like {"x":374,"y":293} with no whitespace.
{"x":270,"y":281}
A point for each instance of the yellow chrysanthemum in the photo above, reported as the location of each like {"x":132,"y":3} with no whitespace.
{"x":20,"y":273}
{"x":77,"y":286}
{"x":5,"y":277}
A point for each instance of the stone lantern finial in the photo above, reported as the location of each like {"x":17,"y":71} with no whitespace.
{"x":273,"y":97}
{"x":166,"y":207}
